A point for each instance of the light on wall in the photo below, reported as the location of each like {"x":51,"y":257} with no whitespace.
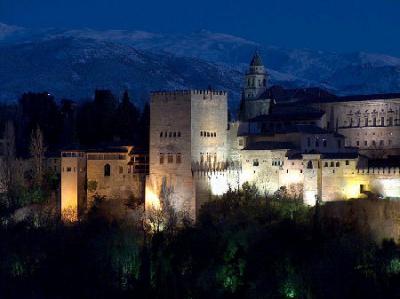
{"x":219,"y":185}
{"x":152,"y":200}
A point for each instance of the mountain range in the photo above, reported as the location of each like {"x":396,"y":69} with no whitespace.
{"x":72,"y":63}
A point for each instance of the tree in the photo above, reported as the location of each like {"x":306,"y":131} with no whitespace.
{"x":164,"y":216}
{"x":144,"y":126}
{"x":127,"y":119}
{"x":6,"y":175}
{"x":37,"y":150}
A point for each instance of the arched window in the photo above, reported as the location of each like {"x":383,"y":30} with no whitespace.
{"x":107,"y":170}
{"x":309,"y":165}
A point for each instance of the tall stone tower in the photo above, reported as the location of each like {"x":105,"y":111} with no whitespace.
{"x":73,"y":181}
{"x":255,"y":79}
{"x":255,"y":99}
{"x":188,"y":132}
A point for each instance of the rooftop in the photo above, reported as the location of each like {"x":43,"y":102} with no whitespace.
{"x":268,"y":145}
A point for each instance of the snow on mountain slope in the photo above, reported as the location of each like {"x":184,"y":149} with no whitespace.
{"x":73,"y":62}
{"x":75,"y":67}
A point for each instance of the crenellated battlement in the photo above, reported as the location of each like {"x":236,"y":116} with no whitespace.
{"x":189,"y":92}
{"x":389,"y":171}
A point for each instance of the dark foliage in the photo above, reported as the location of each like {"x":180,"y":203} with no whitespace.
{"x":243,"y":246}
{"x":105,"y":120}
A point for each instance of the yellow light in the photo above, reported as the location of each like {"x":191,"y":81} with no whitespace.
{"x":152,"y":200}
{"x":352,"y":190}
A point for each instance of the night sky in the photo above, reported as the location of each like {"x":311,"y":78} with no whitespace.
{"x":337,"y":25}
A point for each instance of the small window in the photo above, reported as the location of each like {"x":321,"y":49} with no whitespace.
{"x":309,"y":165}
{"x":161,"y":134}
{"x":178,"y":158}
{"x":240,"y":142}
{"x":337,"y":164}
{"x":358,"y":143}
{"x":161,"y":158}
{"x":208,"y":134}
{"x":332,"y":164}
{"x":170,"y":134}
{"x":381,"y":143}
{"x":69,"y":169}
{"x":165,"y":134}
{"x":215,"y":134}
{"x":120,"y":170}
{"x":389,"y":141}
{"x":347,"y":162}
{"x":170,"y":158}
{"x":179,"y":134}
{"x":365,"y":142}
{"x":201,"y":133}
{"x":326,"y":164}
{"x":107,"y":170}
{"x":174,"y":134}
{"x":255,"y":162}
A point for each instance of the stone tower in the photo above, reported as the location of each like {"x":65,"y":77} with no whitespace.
{"x":255,"y":98}
{"x":188,"y":133}
{"x":255,"y":79}
{"x":73,"y":185}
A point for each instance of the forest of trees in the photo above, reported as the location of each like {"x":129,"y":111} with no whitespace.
{"x":104,"y":120}
{"x":243,"y":245}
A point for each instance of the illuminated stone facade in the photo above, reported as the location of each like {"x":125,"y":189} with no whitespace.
{"x":316,"y":149}
{"x":114,"y":173}
{"x":188,"y":138}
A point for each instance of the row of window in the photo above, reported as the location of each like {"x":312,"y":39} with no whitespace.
{"x":170,"y":134}
{"x":170,"y":158}
{"x":374,"y":143}
{"x":327,"y":164}
{"x":367,"y":122}
{"x":208,"y":134}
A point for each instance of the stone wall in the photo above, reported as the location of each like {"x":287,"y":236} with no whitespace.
{"x":122,"y":184}
{"x":73,"y":185}
{"x":370,"y":125}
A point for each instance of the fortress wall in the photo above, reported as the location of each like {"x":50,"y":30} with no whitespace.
{"x":120,"y":184}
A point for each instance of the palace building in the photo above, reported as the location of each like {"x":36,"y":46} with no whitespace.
{"x":317,"y":145}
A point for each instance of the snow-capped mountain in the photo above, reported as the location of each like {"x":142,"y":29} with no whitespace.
{"x":72,"y":63}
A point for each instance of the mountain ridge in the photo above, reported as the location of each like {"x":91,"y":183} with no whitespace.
{"x":190,"y":60}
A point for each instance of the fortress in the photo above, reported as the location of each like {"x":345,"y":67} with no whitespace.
{"x":317,"y":145}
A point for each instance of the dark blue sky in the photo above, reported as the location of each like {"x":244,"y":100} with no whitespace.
{"x":337,"y":25}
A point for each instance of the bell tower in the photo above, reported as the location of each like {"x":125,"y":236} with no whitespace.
{"x":255,"y":99}
{"x":255,"y":79}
